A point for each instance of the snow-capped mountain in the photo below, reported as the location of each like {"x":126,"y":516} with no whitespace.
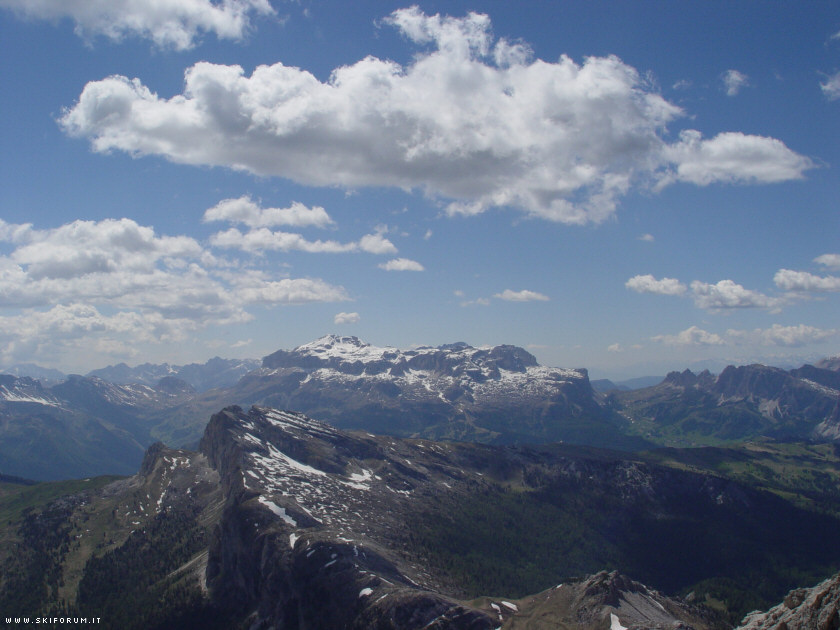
{"x":455,"y":391}
{"x":25,"y":390}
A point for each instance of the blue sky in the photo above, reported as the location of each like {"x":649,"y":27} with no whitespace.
{"x":630,"y":187}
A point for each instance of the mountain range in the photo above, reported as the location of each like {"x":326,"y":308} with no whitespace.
{"x":279,"y":520}
{"x":90,"y":425}
{"x":740,"y":403}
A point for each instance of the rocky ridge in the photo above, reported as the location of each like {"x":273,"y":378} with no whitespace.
{"x":816,"y":608}
{"x":212,"y":374}
{"x":738,"y":404}
{"x":456,"y":391}
{"x":283,"y":521}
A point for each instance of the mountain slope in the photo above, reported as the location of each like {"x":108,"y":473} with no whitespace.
{"x":741,"y":403}
{"x":496,"y":395}
{"x":285,"y":521}
{"x":214,"y":373}
{"x":78,"y":428}
{"x":816,"y":608}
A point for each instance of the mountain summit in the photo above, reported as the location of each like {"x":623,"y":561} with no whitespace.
{"x":454,"y":391}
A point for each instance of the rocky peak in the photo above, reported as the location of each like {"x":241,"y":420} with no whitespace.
{"x":174,"y":385}
{"x":758,"y":381}
{"x":816,"y":608}
{"x":24,"y":389}
{"x":686,"y":378}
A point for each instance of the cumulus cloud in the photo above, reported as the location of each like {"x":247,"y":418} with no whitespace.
{"x":832,"y":261}
{"x":778,"y":335}
{"x":245,"y":211}
{"x":346,"y":318}
{"x":521,"y":296}
{"x":168,"y":23}
{"x":115,"y":280}
{"x":648,"y":284}
{"x":803,"y":281}
{"x":733,"y":81}
{"x":401,"y":264}
{"x":692,"y":336}
{"x":472,"y":121}
{"x":291,"y":291}
{"x":263,"y":239}
{"x":722,"y":295}
{"x":727,"y":294}
{"x":376,"y":244}
{"x":732,"y":157}
{"x":831,"y":87}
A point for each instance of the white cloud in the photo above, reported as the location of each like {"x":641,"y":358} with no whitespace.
{"x":803,"y":281}
{"x":692,"y":336}
{"x":114,"y":282}
{"x":168,"y":23}
{"x":263,"y":239}
{"x":245,"y":211}
{"x":647,"y":238}
{"x":476,"y":302}
{"x":376,"y":244}
{"x":521,"y":296}
{"x":291,"y":291}
{"x":733,"y":81}
{"x":727,"y":294}
{"x":788,"y":336}
{"x":732,"y":157}
{"x":346,"y":318}
{"x":14,"y":233}
{"x":616,"y":347}
{"x":76,"y":328}
{"x":832,"y":261}
{"x":831,"y":87}
{"x":648,"y":284}
{"x":474,"y":122}
{"x":401,"y":264}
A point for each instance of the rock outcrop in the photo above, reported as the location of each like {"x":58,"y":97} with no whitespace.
{"x":816,"y":608}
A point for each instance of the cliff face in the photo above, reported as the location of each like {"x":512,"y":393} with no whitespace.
{"x":324,"y":528}
{"x":309,"y":535}
{"x":742,"y":403}
{"x":493,"y":395}
{"x":816,"y":608}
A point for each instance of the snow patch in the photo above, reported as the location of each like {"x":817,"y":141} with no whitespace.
{"x":276,"y":509}
{"x":615,"y":623}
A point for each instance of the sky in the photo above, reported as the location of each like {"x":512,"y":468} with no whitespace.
{"x":628,"y":187}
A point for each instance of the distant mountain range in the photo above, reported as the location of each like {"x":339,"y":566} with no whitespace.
{"x":741,"y":403}
{"x":282,"y":521}
{"x":93,"y":425}
{"x":202,"y":376}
